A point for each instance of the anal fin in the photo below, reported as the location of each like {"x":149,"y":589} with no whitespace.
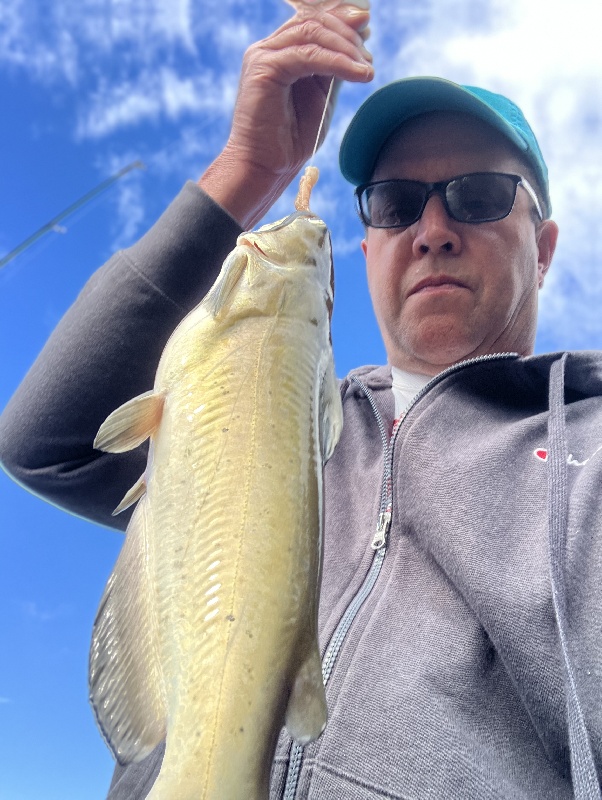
{"x":125,"y":677}
{"x":132,"y":496}
{"x":307,"y":713}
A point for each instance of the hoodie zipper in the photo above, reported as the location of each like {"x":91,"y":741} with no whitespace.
{"x":378,"y":544}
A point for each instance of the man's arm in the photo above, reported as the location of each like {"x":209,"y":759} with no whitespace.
{"x":104,"y":351}
{"x":107,"y":347}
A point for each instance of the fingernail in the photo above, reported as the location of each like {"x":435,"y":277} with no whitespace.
{"x":352,"y":13}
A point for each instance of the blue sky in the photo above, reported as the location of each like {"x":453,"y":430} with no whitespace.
{"x":88,"y":87}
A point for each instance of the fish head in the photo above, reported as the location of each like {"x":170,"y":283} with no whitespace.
{"x":299,"y":242}
{"x":294,"y":239}
{"x":284,"y":267}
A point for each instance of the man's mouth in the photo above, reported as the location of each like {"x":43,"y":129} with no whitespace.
{"x":436,"y":283}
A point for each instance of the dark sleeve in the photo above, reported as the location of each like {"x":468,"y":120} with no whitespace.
{"x":105,"y":351}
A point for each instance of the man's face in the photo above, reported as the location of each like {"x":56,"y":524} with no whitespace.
{"x":444,"y":291}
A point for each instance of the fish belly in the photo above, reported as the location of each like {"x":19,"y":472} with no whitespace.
{"x":234,"y":506}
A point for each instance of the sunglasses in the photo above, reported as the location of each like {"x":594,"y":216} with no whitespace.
{"x":478,"y":197}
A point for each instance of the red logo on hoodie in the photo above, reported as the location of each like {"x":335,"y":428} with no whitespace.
{"x":542,"y":455}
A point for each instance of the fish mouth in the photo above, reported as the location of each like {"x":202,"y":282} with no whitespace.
{"x":244,"y":242}
{"x":259,"y":250}
{"x":436,"y":281}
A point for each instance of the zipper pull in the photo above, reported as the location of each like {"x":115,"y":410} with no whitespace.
{"x":380,"y":537}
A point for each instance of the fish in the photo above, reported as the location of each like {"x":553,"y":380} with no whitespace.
{"x":206,"y":633}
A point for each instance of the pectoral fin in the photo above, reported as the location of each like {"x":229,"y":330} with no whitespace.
{"x":232,"y":269}
{"x":306,"y":713}
{"x":125,"y":677}
{"x":130,"y":424}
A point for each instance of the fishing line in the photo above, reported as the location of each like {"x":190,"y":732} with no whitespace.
{"x":321,"y":125}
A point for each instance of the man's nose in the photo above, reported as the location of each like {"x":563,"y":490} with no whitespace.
{"x":435,"y":231}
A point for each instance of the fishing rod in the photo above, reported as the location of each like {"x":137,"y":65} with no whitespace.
{"x":69,"y":210}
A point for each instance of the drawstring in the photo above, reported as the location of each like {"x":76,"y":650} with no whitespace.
{"x":583,"y":768}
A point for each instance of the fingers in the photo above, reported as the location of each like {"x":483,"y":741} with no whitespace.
{"x":284,"y":83}
{"x":349,"y":13}
{"x":321,"y":44}
{"x":327,"y":29}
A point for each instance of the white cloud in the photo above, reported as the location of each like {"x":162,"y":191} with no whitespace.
{"x":33,"y":610}
{"x":234,"y":38}
{"x":136,"y":20}
{"x":130,"y":212}
{"x":22,"y":46}
{"x":193,"y":146}
{"x":115,"y":107}
{"x":155,"y":94}
{"x":115,"y":50}
{"x":65,"y":39}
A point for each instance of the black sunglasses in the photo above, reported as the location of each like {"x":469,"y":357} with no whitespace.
{"x":478,"y":197}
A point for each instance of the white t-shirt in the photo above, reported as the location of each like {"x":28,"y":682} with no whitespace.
{"x":406,"y":386}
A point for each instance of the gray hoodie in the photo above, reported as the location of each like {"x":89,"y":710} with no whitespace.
{"x":461,"y":606}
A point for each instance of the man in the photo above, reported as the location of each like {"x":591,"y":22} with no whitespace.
{"x":461,"y":601}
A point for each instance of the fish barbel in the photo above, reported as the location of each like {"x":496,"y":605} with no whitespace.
{"x":206,"y":632}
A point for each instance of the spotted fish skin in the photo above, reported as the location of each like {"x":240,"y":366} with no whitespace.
{"x":206,"y":633}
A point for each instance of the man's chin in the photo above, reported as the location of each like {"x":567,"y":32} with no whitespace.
{"x":431,"y":354}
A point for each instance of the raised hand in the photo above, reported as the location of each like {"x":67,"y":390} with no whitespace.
{"x":283,"y":88}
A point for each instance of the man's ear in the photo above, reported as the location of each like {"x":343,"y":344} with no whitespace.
{"x":364,"y":246}
{"x":546,"y":237}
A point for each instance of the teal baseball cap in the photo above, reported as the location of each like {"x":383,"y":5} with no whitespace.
{"x":388,"y":107}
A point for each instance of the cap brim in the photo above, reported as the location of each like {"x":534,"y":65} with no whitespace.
{"x":389,"y":107}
